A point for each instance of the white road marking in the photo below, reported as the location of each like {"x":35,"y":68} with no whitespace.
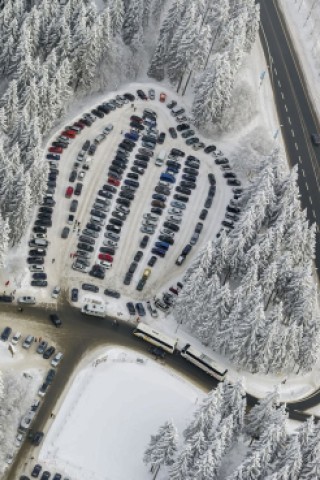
{"x":310,"y":199}
{"x":307,"y":186}
{"x":303,"y":172}
{"x":299,"y":158}
{"x":296,"y":145}
{"x":289,"y":120}
{"x":275,"y":71}
{"x":282,"y":96}
{"x":292,"y":132}
{"x":279,"y":83}
{"x":286,"y":108}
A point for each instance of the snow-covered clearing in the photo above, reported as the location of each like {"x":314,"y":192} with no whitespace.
{"x":115,"y":402}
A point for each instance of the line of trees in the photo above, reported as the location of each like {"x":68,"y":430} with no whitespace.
{"x":211,"y":40}
{"x":252,"y":294}
{"x":224,"y":442}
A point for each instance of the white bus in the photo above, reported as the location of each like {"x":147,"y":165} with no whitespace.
{"x":204,"y":362}
{"x":156,"y":338}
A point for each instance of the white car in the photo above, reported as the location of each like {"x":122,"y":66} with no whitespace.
{"x":56,"y":292}
{"x":28,"y":342}
{"x":152,"y":94}
{"x":175,"y":211}
{"x":105,"y":264}
{"x":152,"y":310}
{"x":81,"y":175}
{"x":29,"y":300}
{"x":39,"y":235}
{"x":19,"y":439}
{"x":57,"y":359}
{"x":36,"y":268}
{"x":9,"y":458}
{"x":176,"y":220}
{"x":15,"y":339}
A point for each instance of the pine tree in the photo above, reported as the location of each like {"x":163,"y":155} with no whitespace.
{"x":162,"y":447}
{"x":180,"y":469}
{"x":4,"y":245}
{"x":132,"y":21}
{"x":116,"y":10}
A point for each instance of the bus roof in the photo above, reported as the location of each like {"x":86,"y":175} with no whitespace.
{"x":143,"y":327}
{"x":202,"y":356}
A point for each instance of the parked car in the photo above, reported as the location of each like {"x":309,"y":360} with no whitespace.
{"x":55,"y":320}
{"x":6,"y":334}
{"x":90,"y":287}
{"x":140,"y":309}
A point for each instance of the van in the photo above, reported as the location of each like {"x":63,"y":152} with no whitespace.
{"x":160,"y":158}
{"x":167,"y":177}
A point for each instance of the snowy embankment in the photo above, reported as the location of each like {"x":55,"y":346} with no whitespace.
{"x":115,"y":402}
{"x":303,"y":23}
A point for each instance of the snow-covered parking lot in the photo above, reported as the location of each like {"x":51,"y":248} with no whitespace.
{"x":58,"y":261}
{"x":115,"y":402}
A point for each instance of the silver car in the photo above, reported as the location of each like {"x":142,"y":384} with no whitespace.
{"x":151,"y":94}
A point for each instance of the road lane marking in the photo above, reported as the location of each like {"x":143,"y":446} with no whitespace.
{"x":279,"y":83}
{"x":314,"y":214}
{"x":292,"y":132}
{"x":310,"y":199}
{"x":289,"y":120}
{"x":282,"y":96}
{"x":303,"y":172}
{"x":299,"y":158}
{"x":307,"y":186}
{"x":297,"y":148}
{"x":275,"y":71}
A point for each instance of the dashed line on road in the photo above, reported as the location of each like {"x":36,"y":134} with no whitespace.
{"x":314,"y":214}
{"x":297,"y":148}
{"x":310,"y":199}
{"x":286,"y":108}
{"x":303,"y":172}
{"x":279,"y":83}
{"x":289,"y":120}
{"x":307,"y":186}
{"x":292,"y":132}
{"x":282,"y":95}
{"x":275,"y":71}
{"x":299,"y":158}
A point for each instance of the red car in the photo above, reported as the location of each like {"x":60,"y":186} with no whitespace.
{"x":55,"y":149}
{"x":114,"y":181}
{"x":105,"y":256}
{"x":174,"y":290}
{"x":69,"y":133}
{"x":163,"y":97}
{"x":69,"y":192}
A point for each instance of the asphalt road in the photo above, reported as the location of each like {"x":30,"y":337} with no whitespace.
{"x":297,"y":118}
{"x":78,"y":336}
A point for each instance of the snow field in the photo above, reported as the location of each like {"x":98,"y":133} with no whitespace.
{"x":115,"y":402}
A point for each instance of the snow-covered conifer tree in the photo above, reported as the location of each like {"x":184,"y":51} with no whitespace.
{"x":162,"y":447}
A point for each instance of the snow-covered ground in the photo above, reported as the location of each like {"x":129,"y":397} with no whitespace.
{"x":115,"y":401}
{"x":303,"y":22}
